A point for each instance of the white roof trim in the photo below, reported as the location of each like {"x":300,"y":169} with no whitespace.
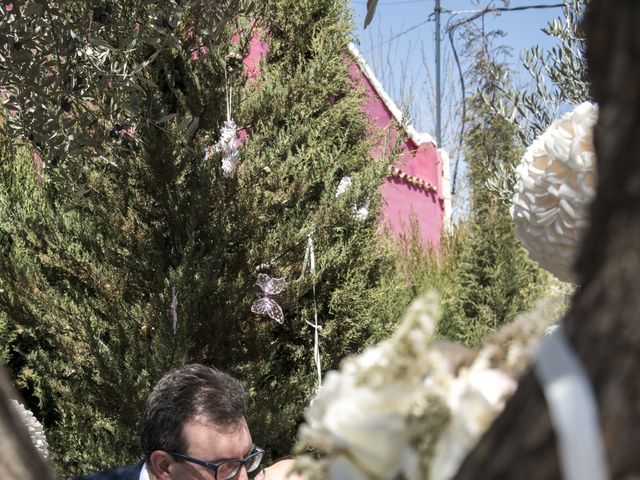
{"x":417,"y":137}
{"x":446,"y":188}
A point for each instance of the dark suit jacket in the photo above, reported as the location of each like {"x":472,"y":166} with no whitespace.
{"x":128,"y":472}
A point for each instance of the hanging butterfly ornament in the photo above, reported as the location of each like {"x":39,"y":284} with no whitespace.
{"x":266,"y":305}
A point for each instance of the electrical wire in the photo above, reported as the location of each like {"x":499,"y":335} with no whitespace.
{"x":507,"y":9}
{"x":390,"y":4}
{"x":464,"y":111}
{"x":404,"y":32}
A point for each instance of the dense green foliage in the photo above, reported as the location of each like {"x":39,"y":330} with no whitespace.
{"x":492,"y":279}
{"x":488,"y":276}
{"x":99,"y":257}
{"x":72,"y":69}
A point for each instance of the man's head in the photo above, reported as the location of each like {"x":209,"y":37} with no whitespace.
{"x":194,"y":412}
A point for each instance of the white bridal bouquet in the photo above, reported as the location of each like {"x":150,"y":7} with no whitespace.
{"x":413,"y":407}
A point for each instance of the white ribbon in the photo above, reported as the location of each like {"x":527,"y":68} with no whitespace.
{"x":174,"y":308}
{"x":229,"y":93}
{"x":573,"y":409}
{"x":310,"y":259}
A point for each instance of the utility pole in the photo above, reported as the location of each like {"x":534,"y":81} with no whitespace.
{"x":438,"y":94}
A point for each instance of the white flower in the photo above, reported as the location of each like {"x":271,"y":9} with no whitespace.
{"x":493,"y":384}
{"x":343,"y":186}
{"x":414,"y":408}
{"x":463,"y":431}
{"x":343,"y":469}
{"x":475,"y":397}
{"x":365,"y":427}
{"x":556,"y":183}
{"x":34,"y":427}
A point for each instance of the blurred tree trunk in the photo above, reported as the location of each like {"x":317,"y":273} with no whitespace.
{"x":603,"y":323}
{"x":19,"y":460}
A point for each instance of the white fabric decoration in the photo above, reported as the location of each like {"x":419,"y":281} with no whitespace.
{"x":229,"y":148}
{"x":556,"y":183}
{"x":573,"y":409}
{"x":227,"y":144}
{"x":36,"y":431}
{"x":343,"y":186}
{"x":362,"y":213}
{"x":359,"y":213}
{"x":174,"y":309}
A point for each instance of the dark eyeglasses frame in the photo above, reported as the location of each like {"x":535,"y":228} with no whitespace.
{"x":215,"y":466}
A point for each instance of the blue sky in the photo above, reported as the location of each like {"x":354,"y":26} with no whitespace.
{"x":404,"y":62}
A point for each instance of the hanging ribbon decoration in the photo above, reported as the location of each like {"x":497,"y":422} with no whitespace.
{"x":229,"y":97}
{"x":310,"y":260}
{"x":227,"y":143}
{"x":573,"y":409}
{"x":174,"y":308}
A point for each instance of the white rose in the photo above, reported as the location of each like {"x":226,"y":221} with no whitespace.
{"x":359,"y":416}
{"x":365,"y":426}
{"x":474,"y":396}
{"x":493,"y":384}
{"x":473,"y":416}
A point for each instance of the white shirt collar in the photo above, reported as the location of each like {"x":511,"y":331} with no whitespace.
{"x":144,"y":474}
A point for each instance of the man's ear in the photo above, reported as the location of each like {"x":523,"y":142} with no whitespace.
{"x":159,"y":463}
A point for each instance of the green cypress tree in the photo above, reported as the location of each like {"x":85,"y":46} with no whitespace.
{"x":492,"y":278}
{"x":117,"y":268}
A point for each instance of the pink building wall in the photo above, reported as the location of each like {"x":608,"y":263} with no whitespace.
{"x":258,"y":49}
{"x":413,"y":192}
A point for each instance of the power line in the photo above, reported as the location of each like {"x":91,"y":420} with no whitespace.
{"x":452,"y":12}
{"x":389,"y":4}
{"x":404,"y":32}
{"x":437,"y":11}
{"x":464,"y":112}
{"x":507,"y":9}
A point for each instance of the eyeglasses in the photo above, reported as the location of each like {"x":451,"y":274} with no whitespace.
{"x":229,"y":469}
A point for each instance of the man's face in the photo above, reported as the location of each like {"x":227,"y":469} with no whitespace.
{"x":212,"y":443}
